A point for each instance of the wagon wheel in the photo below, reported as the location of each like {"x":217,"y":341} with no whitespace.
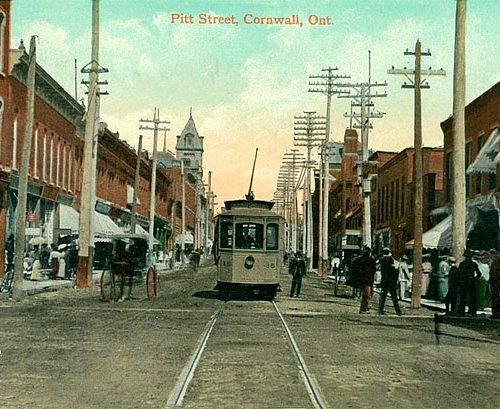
{"x":152,"y":283}
{"x":107,"y":285}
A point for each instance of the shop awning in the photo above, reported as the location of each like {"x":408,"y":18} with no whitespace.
{"x":441,"y":235}
{"x":488,"y":157}
{"x":104,"y":226}
{"x":69,"y":219}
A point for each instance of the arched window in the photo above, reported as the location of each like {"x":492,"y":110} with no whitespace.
{"x":1,"y":122}
{"x":14,"y":145}
{"x":3,"y":42}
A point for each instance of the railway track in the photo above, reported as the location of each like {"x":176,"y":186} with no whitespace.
{"x":188,"y":373}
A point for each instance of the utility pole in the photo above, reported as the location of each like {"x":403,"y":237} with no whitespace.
{"x":363,"y":100}
{"x":183,"y":215}
{"x":22,"y":187}
{"x":135,"y":202}
{"x":309,"y":132}
{"x":459,"y":193}
{"x":326,"y":85}
{"x":207,"y":213}
{"x":287,"y":181}
{"x":417,"y":83}
{"x":152,"y":204}
{"x":86,"y":245}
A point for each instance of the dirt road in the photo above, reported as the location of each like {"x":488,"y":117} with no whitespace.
{"x":68,"y":349}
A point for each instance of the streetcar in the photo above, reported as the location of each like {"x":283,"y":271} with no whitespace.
{"x":249,"y":247}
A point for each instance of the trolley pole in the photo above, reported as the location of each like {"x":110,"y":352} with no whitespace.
{"x":417,"y":83}
{"x":152,"y":204}
{"x":325,"y":84}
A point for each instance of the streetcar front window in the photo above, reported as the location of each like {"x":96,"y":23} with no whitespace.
{"x":272,"y":237}
{"x":226,"y":235}
{"x":249,"y":236}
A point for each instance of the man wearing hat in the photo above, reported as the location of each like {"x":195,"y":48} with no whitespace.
{"x":298,"y":270}
{"x":364,"y":268}
{"x":453,"y":284}
{"x":389,"y":282}
{"x":495,"y":285}
{"x":467,"y":295}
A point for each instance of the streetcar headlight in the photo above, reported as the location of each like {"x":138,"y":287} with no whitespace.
{"x":249,"y":262}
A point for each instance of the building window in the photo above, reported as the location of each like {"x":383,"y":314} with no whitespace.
{"x":58,"y":163}
{"x":396,"y":207}
{"x":403,"y":184}
{"x":3,"y":43}
{"x":44,"y":157}
{"x":14,"y":145}
{"x":1,"y":122}
{"x":64,"y":162}
{"x":35,"y":155}
{"x":51,"y":160}
{"x":70,"y":161}
{"x":492,"y":181}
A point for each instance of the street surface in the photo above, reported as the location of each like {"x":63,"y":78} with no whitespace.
{"x":68,"y":349}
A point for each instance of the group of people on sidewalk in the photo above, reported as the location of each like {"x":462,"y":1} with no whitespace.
{"x":365,"y":267}
{"x":462,"y":288}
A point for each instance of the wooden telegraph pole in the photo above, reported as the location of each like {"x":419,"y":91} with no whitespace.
{"x":152,"y":204}
{"x":417,"y":83}
{"x":17,"y":290}
{"x":458,"y":215}
{"x":86,"y":234}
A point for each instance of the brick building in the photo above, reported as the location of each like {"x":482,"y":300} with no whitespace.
{"x":55,"y":173}
{"x":393,"y":192}
{"x":482,"y":119}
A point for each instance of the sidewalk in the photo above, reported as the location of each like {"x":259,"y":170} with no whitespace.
{"x":430,"y":304}
{"x":36,"y":287}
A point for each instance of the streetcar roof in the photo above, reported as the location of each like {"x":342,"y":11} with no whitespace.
{"x":248,"y":204}
{"x":249,"y":208}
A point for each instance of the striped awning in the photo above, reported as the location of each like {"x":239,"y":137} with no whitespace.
{"x":488,"y":157}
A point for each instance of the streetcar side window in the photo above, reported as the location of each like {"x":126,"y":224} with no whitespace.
{"x":249,"y":236}
{"x":272,"y":237}
{"x":226,"y":235}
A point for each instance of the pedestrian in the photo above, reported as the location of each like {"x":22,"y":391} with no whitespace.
{"x":404,"y":277}
{"x":54,"y":262}
{"x":298,"y":270}
{"x":364,"y":267}
{"x":389,"y":281}
{"x":443,"y":269}
{"x":196,"y":259}
{"x":9,"y":250}
{"x":453,"y":285}
{"x":45,"y":256}
{"x":482,"y":290}
{"x":426,"y":274}
{"x":467,"y":295}
{"x":495,"y":285}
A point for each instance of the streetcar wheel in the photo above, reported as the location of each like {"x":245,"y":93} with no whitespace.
{"x":152,"y":283}
{"x":107,"y":285}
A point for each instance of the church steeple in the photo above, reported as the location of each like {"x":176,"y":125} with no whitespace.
{"x":189,"y":147}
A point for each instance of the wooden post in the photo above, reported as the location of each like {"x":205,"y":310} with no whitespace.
{"x":459,"y":193}
{"x":17,"y":291}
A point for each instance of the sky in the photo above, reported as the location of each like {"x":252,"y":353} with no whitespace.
{"x":246,"y":81}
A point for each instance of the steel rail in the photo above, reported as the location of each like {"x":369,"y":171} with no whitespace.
{"x":180,"y":389}
{"x":312,"y":389}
